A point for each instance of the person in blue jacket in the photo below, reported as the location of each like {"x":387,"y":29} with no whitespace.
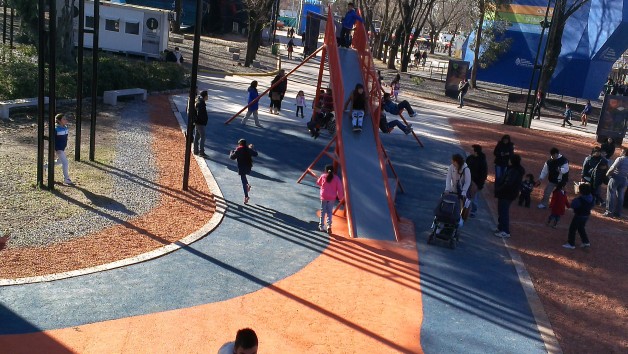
{"x":253,"y":108}
{"x":396,"y":108}
{"x":347,"y":25}
{"x":581,"y":206}
{"x":61,"y":142}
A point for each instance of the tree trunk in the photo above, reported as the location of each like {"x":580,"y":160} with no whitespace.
{"x":432,"y":41}
{"x":254,"y":41}
{"x":177,"y":22}
{"x":404,"y":54}
{"x":554,"y":46}
{"x":394,"y":49}
{"x":478,"y":42}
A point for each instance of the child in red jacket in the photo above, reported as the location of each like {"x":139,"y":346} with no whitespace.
{"x":557,"y":205}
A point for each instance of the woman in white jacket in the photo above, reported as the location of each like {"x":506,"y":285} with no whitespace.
{"x":458,"y":177}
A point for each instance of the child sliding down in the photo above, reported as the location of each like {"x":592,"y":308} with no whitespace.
{"x":359,"y":107}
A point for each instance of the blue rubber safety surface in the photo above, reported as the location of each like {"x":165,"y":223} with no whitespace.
{"x":367,"y":187}
{"x":472,"y":299}
{"x":256,"y":245}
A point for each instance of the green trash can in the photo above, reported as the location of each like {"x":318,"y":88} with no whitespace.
{"x":275,"y":49}
{"x":519,"y":119}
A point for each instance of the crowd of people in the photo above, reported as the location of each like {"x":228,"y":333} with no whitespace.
{"x":465,"y":178}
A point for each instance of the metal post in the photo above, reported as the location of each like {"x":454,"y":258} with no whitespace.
{"x":177,"y":20}
{"x":92,"y":124}
{"x":536,"y":61}
{"x":52,"y":92}
{"x":41,"y":66}
{"x":12,"y":23}
{"x":192,"y":96}
{"x":4,"y":22}
{"x":79,"y":80}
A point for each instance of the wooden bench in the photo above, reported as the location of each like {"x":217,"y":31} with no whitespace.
{"x":5,"y":106}
{"x":111,"y":97}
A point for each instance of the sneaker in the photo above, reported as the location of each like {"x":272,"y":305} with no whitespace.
{"x":502,"y":234}
{"x":568,"y":246}
{"x":608,"y":214}
{"x":585,"y":245}
{"x":321,"y":228}
{"x":329,"y":230}
{"x":68,"y":182}
{"x":541,"y":206}
{"x":258,"y":125}
{"x":413,"y":115}
{"x":246,"y":200}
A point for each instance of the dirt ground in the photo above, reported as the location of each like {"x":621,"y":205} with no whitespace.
{"x":137,"y":235}
{"x":584,"y":291}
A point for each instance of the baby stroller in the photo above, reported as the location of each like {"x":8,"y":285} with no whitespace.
{"x":446,"y":220}
{"x":322,"y":120}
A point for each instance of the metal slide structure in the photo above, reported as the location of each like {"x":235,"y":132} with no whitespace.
{"x":369,"y":195}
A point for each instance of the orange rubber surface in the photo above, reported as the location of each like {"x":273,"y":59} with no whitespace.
{"x":359,"y":296}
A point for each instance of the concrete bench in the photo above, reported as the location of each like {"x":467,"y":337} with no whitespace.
{"x":5,"y":106}
{"x":111,"y":97}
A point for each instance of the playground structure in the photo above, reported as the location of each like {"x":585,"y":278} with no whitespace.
{"x":361,"y":157}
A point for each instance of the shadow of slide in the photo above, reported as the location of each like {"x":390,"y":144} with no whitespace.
{"x":34,"y":341}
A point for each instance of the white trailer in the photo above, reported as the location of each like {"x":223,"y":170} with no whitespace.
{"x":127,"y":28}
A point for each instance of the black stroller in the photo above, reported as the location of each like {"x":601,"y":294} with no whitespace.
{"x":446,"y":220}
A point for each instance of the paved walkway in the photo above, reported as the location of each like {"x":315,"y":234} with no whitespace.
{"x":470,"y":297}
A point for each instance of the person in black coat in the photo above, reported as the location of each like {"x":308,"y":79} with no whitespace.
{"x":200,"y":122}
{"x":479,"y":171}
{"x":244,"y":154}
{"x":277,"y":93}
{"x":503,"y":151}
{"x":608,"y":148}
{"x":506,"y":191}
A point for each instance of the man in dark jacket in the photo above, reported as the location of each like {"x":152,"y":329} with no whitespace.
{"x":506,"y":190}
{"x":556,"y":170}
{"x":479,"y":171}
{"x":200,"y":124}
{"x":608,"y":148}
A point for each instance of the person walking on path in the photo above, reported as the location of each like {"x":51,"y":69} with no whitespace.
{"x":347,"y":25}
{"x":540,"y":102}
{"x":277,"y":93}
{"x":61,"y":143}
{"x":395,"y":86}
{"x":502,"y":152}
{"x":331,"y":189}
{"x":506,"y":191}
{"x":200,"y":124}
{"x":527,"y":186}
{"x":479,"y":171}
{"x":290,"y":47}
{"x":463,"y":87}
{"x":253,"y":108}
{"x":617,"y":184}
{"x":585,"y":113}
{"x":246,"y":342}
{"x":424,"y":58}
{"x":300,"y":102}
{"x":608,"y":148}
{"x":567,"y":116}
{"x":581,"y":206}
{"x":558,"y":204}
{"x":556,"y":170}
{"x":458,"y":180}
{"x":397,"y":108}
{"x":244,"y":154}
{"x":359,"y":107}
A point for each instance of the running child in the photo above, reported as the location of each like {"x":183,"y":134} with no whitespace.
{"x":359,"y":107}
{"x":581,"y":206}
{"x":558,"y":204}
{"x":252,"y":90}
{"x":527,"y":186}
{"x":300,"y":103}
{"x":331,"y":189}
{"x":567,"y":116}
{"x":244,"y":154}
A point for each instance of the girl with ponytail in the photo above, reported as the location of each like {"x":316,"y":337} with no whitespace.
{"x":331,"y":189}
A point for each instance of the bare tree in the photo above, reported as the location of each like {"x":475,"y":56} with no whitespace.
{"x":259,"y":13}
{"x":444,"y":14}
{"x":413,"y":15}
{"x":562,"y":11}
{"x":482,"y":8}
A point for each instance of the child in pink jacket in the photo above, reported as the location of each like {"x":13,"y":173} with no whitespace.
{"x":331,"y":189}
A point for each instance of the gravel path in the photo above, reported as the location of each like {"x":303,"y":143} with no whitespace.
{"x":131,"y":196}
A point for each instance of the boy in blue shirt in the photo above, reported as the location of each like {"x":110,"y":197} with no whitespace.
{"x":61,"y":142}
{"x":581,"y":206}
{"x":567,"y":116}
{"x":252,"y":90}
{"x":347,"y":25}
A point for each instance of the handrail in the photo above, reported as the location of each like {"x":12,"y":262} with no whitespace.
{"x":371,"y":82}
{"x":338,"y":93}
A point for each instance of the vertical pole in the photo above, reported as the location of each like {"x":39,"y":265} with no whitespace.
{"x":536,"y":61}
{"x":79,"y":80}
{"x":12,"y":23}
{"x":177,"y":10}
{"x":41,"y":87}
{"x":192,"y":96}
{"x":52,"y":90}
{"x":4,"y":21}
{"x":92,"y":124}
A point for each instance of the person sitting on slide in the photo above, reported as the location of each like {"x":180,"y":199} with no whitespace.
{"x":396,"y":108}
{"x":324,"y":113}
{"x":387,"y":127}
{"x":359,"y":107}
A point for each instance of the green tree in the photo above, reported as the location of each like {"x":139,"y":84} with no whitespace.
{"x":259,"y":14}
{"x":563,"y":9}
{"x":484,"y":45}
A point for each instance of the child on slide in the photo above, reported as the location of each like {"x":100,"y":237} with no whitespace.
{"x":359,"y":107}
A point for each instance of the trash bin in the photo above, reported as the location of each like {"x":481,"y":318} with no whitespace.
{"x":519,"y":118}
{"x":275,"y":49}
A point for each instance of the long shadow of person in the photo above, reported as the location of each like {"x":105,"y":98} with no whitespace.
{"x":105,"y":202}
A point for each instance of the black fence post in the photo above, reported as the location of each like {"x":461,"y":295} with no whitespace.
{"x":52,"y":90}
{"x":79,"y":79}
{"x":92,"y":125}
{"x":41,"y":87}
